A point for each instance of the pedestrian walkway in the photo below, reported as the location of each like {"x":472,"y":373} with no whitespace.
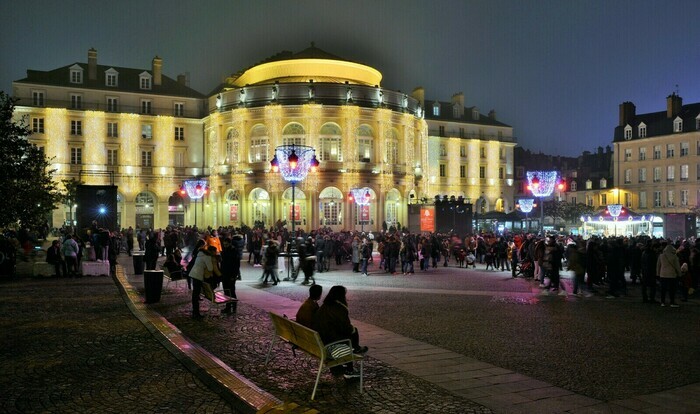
{"x":499,"y":389}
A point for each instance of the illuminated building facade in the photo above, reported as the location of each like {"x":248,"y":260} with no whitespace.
{"x":150,"y":133}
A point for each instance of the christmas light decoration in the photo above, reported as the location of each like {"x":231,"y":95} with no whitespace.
{"x":615,"y":209}
{"x":542,"y":183}
{"x":526,"y":204}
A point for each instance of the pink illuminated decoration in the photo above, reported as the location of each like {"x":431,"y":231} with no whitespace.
{"x":526,"y":204}
{"x":542,"y":183}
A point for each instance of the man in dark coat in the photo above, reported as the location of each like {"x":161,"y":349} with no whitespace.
{"x":53,"y":256}
{"x":228,"y":271}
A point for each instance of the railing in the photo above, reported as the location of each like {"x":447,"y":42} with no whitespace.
{"x":103,"y":106}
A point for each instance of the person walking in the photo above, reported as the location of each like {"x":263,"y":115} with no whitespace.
{"x":228,"y":271}
{"x":365,"y":254}
{"x":649,"y":257}
{"x":668,"y":268}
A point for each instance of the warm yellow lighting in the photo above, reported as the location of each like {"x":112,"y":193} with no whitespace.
{"x":320,"y":70}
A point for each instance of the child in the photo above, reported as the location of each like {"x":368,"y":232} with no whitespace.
{"x":461,"y":255}
{"x":490,"y":255}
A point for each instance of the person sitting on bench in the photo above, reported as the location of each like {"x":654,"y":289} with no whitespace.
{"x":307,"y":311}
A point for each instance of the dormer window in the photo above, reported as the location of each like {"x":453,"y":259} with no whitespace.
{"x":436,"y":109}
{"x":603,"y":183}
{"x":678,"y":125}
{"x":589,"y":184}
{"x":112,"y":78}
{"x":475,"y":114}
{"x":455,"y":111}
{"x":573,"y":186}
{"x":697,"y":122}
{"x":76,"y":74}
{"x":145,"y":80}
{"x":642,"y":130}
{"x":628,"y":132}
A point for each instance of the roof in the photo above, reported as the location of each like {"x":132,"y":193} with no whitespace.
{"x":128,"y":81}
{"x":447,"y":115}
{"x":658,"y":123}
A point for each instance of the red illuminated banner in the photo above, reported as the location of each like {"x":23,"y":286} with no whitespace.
{"x":364,"y":213}
{"x":297,"y":212}
{"x":233,"y":212}
{"x":427,"y":219}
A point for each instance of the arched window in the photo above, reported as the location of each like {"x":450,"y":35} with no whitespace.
{"x":259,"y":144}
{"x":330,"y":143}
{"x":392,"y":146}
{"x":331,"y":207}
{"x":294,"y":134}
{"x":232,"y":147}
{"x":260,"y":205}
{"x":365,"y":143}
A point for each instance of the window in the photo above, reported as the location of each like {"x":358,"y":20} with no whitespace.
{"x":685,"y":149}
{"x":145,"y":81}
{"x":589,"y":201}
{"x":475,"y":114}
{"x":684,"y":197}
{"x":502,"y":153}
{"x":441,"y":130}
{"x":365,"y":142}
{"x":684,"y":172}
{"x":76,"y":101}
{"x":519,"y":172}
{"x":642,"y":199}
{"x":678,"y":125}
{"x":76,"y":127}
{"x":628,"y":132}
{"x":628,"y":176}
{"x":443,"y":169}
{"x":76,"y":75}
{"x":455,"y":111}
{"x":642,"y":154}
{"x":294,"y":134}
{"x":146,"y":106}
{"x":603,"y":199}
{"x":573,"y":201}
{"x":642,"y":131}
{"x":443,"y":150}
{"x":670,"y":202}
{"x":179,"y":159}
{"x":657,"y":174}
{"x":500,"y":173}
{"x":462,"y":151}
{"x":112,"y":157}
{"x":628,"y":200}
{"x":331,"y":144}
{"x":38,"y":100}
{"x":179,"y":133}
{"x":657,"y":198}
{"x":112,"y":104}
{"x":38,"y":125}
{"x":482,"y":172}
{"x":628,"y":154}
{"x":259,"y":144}
{"x":436,"y":109}
{"x":111,"y":78}
{"x":146,"y":158}
{"x":642,"y":175}
{"x":482,"y":152}
{"x":603,"y":183}
{"x":76,"y":156}
{"x":670,"y":172}
{"x":698,"y":172}
{"x":670,"y":151}
{"x":179,"y":109}
{"x":112,"y":130}
{"x":462,"y":171}
{"x":146,"y":131}
{"x":392,"y":151}
{"x":657,"y":152}
{"x":461,"y":132}
{"x":573,"y":186}
{"x":589,"y":184}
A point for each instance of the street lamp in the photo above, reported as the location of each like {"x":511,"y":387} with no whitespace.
{"x":541,"y":184}
{"x":362,"y":197}
{"x":294,"y":163}
{"x":526,"y":205}
{"x":195,"y":189}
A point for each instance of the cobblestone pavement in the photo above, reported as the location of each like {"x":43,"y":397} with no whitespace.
{"x":71,"y":345}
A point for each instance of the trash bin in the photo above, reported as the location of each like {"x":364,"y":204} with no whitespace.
{"x":153,"y":285}
{"x":138,"y":262}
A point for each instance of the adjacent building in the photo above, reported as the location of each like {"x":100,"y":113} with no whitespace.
{"x":147,"y":134}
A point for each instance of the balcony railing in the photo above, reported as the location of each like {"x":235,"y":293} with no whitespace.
{"x":103,"y":106}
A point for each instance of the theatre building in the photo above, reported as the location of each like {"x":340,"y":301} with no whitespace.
{"x":148,"y":134}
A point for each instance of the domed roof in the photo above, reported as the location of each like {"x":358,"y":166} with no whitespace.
{"x":311,"y":63}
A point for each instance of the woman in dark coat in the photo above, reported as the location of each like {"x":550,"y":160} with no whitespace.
{"x":152,"y":251}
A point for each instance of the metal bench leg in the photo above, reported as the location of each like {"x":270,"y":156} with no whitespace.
{"x":361,"y":376}
{"x":318,"y":377}
{"x":269,"y":351}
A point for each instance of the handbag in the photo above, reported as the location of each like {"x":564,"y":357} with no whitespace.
{"x":338,"y":351}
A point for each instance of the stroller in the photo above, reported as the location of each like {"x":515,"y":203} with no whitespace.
{"x":471,"y":259}
{"x":525,"y":269}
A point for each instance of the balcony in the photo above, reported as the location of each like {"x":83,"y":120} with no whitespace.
{"x":104,"y":107}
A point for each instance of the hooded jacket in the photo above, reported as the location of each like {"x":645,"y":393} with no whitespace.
{"x":668,"y":266}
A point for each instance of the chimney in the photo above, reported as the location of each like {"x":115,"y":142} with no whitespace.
{"x":458,"y":102}
{"x":627,"y":113}
{"x":157,"y":70}
{"x":673,"y":105}
{"x":182,"y":79}
{"x":419,"y":95}
{"x":492,"y":114}
{"x":92,"y":64}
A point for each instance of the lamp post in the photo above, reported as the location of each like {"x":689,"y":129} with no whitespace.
{"x":362,"y":197}
{"x":541,"y":184}
{"x":526,"y":205}
{"x":294,"y":163}
{"x":195,"y":189}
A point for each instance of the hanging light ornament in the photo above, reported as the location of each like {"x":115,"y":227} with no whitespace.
{"x":542,"y":183}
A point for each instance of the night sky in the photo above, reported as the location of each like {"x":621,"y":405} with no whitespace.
{"x":555,"y":70}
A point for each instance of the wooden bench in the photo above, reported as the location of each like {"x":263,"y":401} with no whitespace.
{"x":218,"y":299}
{"x":310,"y":342}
